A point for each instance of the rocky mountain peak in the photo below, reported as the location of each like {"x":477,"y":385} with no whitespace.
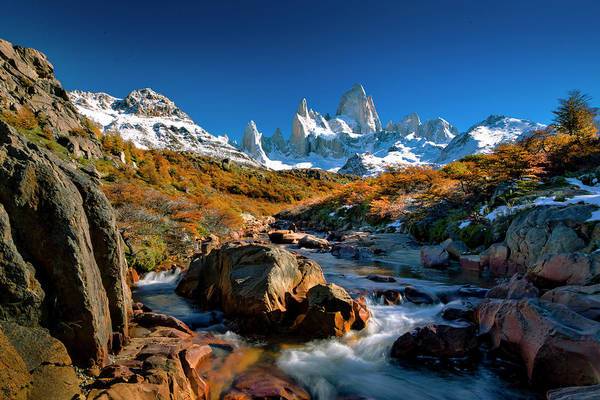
{"x":147,"y":102}
{"x":27,"y":80}
{"x":303,"y":108}
{"x":359,"y":108}
{"x":252,"y":143}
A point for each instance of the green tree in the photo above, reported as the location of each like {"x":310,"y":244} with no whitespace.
{"x":574,"y":116}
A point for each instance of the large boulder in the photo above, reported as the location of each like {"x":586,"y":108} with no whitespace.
{"x":62,"y":224}
{"x":36,"y":365}
{"x":255,"y":282}
{"x":441,"y":341}
{"x":546,"y":230}
{"x":331,"y":312}
{"x":561,"y":269}
{"x":557,"y":346}
{"x":584,"y":300}
{"x":265,"y":288}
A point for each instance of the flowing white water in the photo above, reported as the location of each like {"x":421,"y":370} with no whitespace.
{"x":358,"y":364}
{"x":164,"y":277}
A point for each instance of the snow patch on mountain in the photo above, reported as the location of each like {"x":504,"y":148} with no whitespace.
{"x":151,"y":120}
{"x":486,"y":135}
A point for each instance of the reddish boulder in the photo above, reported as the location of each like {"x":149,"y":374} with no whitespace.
{"x":584,"y":300}
{"x":496,"y":258}
{"x":262,"y":383}
{"x":565,"y":269}
{"x":151,"y":319}
{"x":557,"y":346}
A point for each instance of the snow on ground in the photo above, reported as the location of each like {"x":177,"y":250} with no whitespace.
{"x":592,"y":198}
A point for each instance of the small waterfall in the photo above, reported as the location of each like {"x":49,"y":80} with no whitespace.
{"x":164,"y":277}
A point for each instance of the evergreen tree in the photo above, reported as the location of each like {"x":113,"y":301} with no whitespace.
{"x":574,"y":116}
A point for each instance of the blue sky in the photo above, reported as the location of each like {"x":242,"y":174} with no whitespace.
{"x":226,"y":62}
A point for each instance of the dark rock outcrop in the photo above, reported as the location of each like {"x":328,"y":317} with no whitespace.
{"x":518,"y":287}
{"x":64,"y":227}
{"x":440,"y":341}
{"x":27,"y":80}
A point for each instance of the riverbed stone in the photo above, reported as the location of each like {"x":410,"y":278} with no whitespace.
{"x":434,"y":256}
{"x":555,"y":270}
{"x":262,"y":383}
{"x":313,"y":242}
{"x":584,"y":300}
{"x":518,"y":287}
{"x":557,"y":346}
{"x":442,"y":341}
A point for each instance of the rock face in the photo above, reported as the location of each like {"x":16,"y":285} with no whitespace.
{"x":359,"y":107}
{"x":160,"y":363}
{"x":27,"y":79}
{"x":264,"y":287}
{"x":252,"y":143}
{"x":443,"y":341}
{"x":544,"y":231}
{"x":34,"y":365}
{"x":64,"y":226}
{"x":552,"y":340}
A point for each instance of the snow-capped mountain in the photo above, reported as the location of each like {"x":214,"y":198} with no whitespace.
{"x":328,"y":142}
{"x":151,"y":120}
{"x":484,"y":136}
{"x":354,"y":141}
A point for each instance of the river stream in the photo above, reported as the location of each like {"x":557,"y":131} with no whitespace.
{"x":359,"y":363}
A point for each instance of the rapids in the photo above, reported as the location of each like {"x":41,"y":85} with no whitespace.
{"x":359,"y":363}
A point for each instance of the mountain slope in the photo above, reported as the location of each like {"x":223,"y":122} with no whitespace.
{"x":484,"y":136}
{"x":151,"y":120}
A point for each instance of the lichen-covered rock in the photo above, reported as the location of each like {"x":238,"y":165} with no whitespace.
{"x":546,"y":230}
{"x":38,"y":365}
{"x":65,"y":226}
